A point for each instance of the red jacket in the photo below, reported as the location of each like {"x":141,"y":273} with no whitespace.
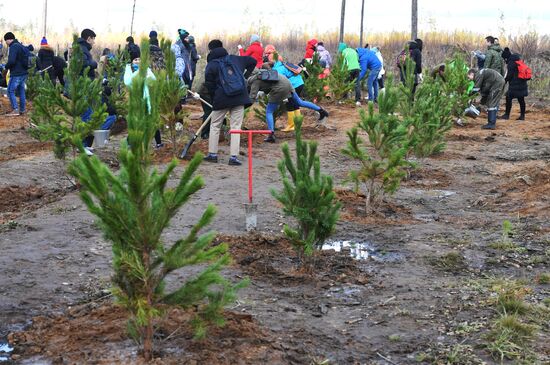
{"x":256,"y":51}
{"x":310,"y":48}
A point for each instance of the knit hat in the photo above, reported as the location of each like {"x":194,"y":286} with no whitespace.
{"x":254,"y":38}
{"x":87,"y":33}
{"x":8,"y":36}
{"x":215,"y":43}
{"x":183,"y":33}
{"x":44,"y":42}
{"x":153,"y":34}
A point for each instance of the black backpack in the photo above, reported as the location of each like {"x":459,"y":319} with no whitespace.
{"x":231,"y":77}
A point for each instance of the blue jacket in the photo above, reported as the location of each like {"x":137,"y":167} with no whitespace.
{"x":212,"y":80}
{"x":368,"y":61}
{"x":88,"y":60}
{"x":295,"y":80}
{"x":17,"y":59}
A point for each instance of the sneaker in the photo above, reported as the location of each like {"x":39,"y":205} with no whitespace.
{"x":358,"y":103}
{"x":23,"y":112}
{"x":521,"y":117}
{"x":211,"y":157}
{"x":270,"y":138}
{"x":234,"y":161}
{"x":322,"y":114}
{"x":159,"y":145}
{"x":488,"y":126}
{"x":14,"y":113}
{"x":459,"y":122}
{"x":88,"y":152}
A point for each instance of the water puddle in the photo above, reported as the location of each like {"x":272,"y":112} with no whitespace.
{"x":362,"y":251}
{"x":5,"y":351}
{"x":438,"y":194}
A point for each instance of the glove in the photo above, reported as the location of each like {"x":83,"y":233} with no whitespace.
{"x":240,"y":47}
{"x":420,"y":78}
{"x":196,"y":96}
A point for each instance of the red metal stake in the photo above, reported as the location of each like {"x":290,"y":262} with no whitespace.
{"x":250,"y":133}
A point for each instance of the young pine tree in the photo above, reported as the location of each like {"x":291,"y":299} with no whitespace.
{"x":314,"y":87}
{"x":338,"y":82}
{"x":307,"y":195}
{"x":133,"y":208}
{"x":171,"y":92}
{"x":457,"y":86}
{"x":58,"y":118}
{"x":383,"y":170}
{"x":114,"y":69}
{"x":431,"y":118}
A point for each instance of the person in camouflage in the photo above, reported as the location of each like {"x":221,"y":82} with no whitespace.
{"x":490,"y":84}
{"x":493,"y":58}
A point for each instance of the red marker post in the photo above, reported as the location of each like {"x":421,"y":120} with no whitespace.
{"x":250,"y":208}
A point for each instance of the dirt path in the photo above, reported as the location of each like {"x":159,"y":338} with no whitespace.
{"x":404,"y":301}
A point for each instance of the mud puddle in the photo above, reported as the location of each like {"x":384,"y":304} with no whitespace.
{"x":362,"y":251}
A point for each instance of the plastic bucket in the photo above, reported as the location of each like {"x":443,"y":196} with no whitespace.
{"x":100,"y":138}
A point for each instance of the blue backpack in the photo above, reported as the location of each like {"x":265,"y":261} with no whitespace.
{"x":231,"y":77}
{"x":29,"y":60}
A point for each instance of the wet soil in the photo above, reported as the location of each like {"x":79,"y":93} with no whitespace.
{"x":55,"y":264}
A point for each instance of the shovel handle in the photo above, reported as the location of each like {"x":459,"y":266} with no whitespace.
{"x":194,"y":94}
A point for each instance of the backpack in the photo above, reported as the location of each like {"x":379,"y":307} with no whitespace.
{"x":29,"y":60}
{"x":268,"y":75}
{"x":231,"y":77}
{"x":295,"y":69}
{"x":524,"y":71}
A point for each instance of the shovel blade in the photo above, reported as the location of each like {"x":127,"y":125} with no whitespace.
{"x":251,"y":217}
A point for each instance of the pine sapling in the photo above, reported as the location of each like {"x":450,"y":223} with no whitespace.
{"x":114,"y":80}
{"x":307,"y":196}
{"x":314,"y":86}
{"x":383,"y":170}
{"x":59,"y":117}
{"x":171,"y":92}
{"x":338,"y":80}
{"x":133,"y":208}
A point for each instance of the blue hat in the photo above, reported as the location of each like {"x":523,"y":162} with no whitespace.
{"x":153,"y":34}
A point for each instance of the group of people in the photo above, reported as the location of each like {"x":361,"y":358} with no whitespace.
{"x":498,"y":67}
{"x":234,"y":82}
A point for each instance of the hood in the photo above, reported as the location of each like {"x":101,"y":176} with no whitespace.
{"x":216,"y":53}
{"x":321,"y":48}
{"x":311,"y":43}
{"x":362,"y":51}
{"x":15,"y":41}
{"x":514,"y":57}
{"x":495,"y":47}
{"x":269,"y":49}
{"x":46,"y":48}
{"x":412,"y":45}
{"x":83,"y":42}
{"x":419,"y":43}
{"x":342,"y":46}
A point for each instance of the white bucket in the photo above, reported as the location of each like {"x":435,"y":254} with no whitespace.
{"x":101,"y":137}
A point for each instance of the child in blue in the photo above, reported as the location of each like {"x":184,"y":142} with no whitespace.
{"x":370,"y":62}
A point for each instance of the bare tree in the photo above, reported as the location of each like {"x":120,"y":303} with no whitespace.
{"x":342,"y":16}
{"x":414,"y":19}
{"x":362,"y":17}
{"x":132,"y":24}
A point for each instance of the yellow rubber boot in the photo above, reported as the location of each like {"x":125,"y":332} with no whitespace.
{"x":290,"y":122}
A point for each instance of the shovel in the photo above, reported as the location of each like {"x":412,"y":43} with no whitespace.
{"x":194,"y":137}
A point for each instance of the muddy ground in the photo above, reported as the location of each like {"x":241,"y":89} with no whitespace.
{"x":404,"y":302}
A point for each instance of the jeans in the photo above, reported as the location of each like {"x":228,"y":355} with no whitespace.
{"x":372,"y":84}
{"x":270,"y":109}
{"x":17,"y":84}
{"x":354,"y":75}
{"x":302,"y":103}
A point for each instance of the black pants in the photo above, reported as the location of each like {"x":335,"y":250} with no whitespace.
{"x":521,"y":101}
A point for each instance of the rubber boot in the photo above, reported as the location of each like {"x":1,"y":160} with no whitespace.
{"x":491,"y":120}
{"x":290,"y":122}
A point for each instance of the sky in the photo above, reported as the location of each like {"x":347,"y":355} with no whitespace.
{"x":282,"y":16}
